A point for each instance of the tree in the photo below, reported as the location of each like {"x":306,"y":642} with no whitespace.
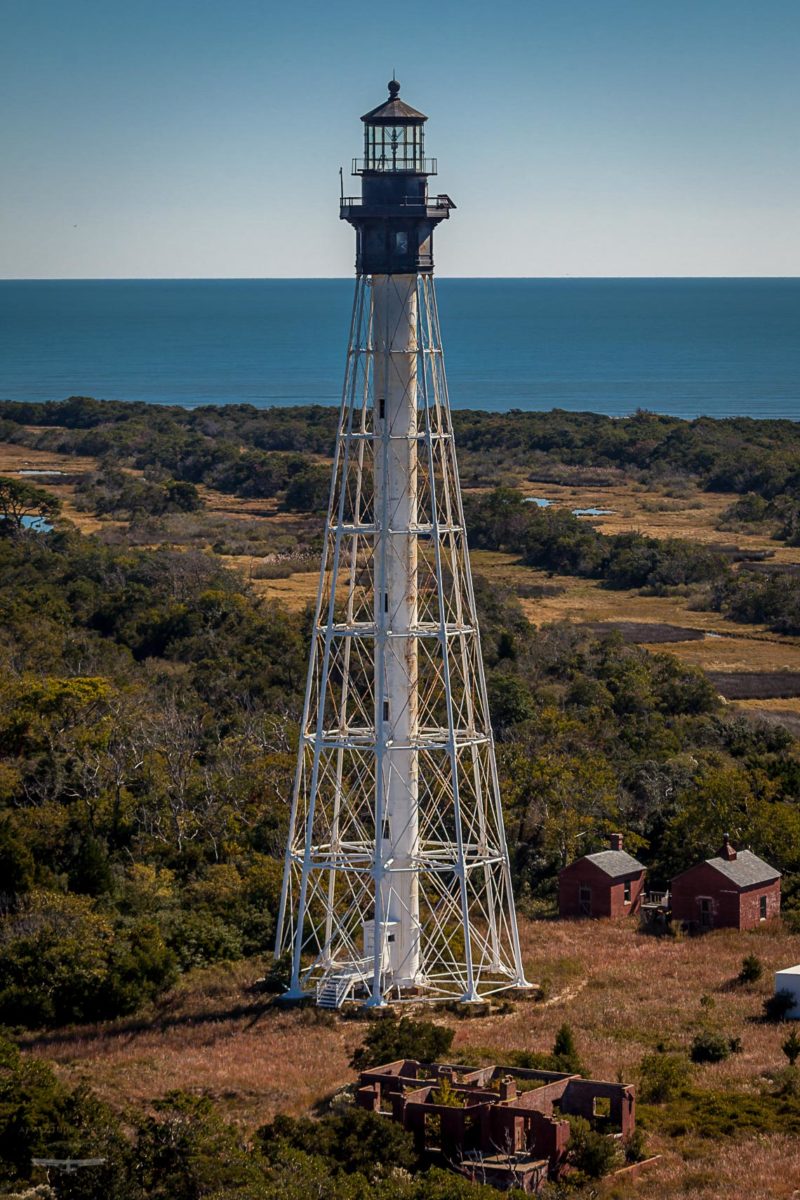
{"x":389,"y":1040}
{"x":565,"y":1051}
{"x":21,"y":503}
{"x":308,"y":490}
{"x":185,"y":1151}
{"x":355,"y":1140}
{"x":590,"y":1152}
{"x":752,"y":969}
{"x":791,"y":1047}
{"x":63,"y":960}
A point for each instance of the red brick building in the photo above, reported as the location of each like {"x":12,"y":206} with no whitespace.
{"x":735,"y":890}
{"x":506,"y":1126}
{"x":607,"y":884}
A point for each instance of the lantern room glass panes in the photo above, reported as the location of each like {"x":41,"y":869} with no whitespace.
{"x":393,"y":148}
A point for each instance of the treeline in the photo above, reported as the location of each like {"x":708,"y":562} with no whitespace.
{"x":234,"y":447}
{"x":737,"y":454}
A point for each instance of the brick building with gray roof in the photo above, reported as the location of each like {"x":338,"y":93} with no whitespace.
{"x":606,"y":884}
{"x":734,"y":890}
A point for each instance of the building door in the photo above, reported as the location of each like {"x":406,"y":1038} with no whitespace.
{"x":585,"y":900}
{"x":706,"y":914}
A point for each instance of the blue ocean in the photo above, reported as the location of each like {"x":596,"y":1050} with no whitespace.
{"x":719,"y":347}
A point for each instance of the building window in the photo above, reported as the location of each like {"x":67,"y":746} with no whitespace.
{"x":705,"y":912}
{"x":585,"y":900}
{"x":627,"y":891}
{"x":401,"y":242}
{"x":762,"y":907}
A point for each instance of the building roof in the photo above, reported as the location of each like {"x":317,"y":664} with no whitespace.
{"x":614,"y":863}
{"x":393,"y":110}
{"x":745,"y":870}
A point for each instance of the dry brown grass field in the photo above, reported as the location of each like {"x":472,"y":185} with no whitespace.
{"x":621,"y":991}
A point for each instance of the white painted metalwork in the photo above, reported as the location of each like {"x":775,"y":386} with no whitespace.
{"x":396,"y":823}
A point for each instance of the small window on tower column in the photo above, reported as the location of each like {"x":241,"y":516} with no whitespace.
{"x":401,"y":243}
{"x":386,"y":710}
{"x":381,"y":408}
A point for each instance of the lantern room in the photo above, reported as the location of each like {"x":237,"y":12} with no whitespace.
{"x":394,"y":138}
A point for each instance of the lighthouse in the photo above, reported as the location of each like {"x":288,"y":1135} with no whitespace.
{"x":396,"y":880}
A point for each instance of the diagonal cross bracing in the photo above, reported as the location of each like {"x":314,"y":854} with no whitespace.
{"x":396,"y":868}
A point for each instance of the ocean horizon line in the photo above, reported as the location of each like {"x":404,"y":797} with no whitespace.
{"x":345,"y":278}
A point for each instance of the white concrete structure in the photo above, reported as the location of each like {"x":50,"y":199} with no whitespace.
{"x":788,"y":980}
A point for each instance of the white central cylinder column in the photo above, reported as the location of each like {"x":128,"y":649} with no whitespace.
{"x":395,"y":399}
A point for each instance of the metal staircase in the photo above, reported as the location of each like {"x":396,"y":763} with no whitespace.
{"x":338,"y":982}
{"x":333,"y":990}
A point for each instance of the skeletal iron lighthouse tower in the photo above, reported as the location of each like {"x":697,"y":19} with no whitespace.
{"x":396,"y":881}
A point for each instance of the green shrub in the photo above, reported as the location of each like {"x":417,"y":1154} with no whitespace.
{"x":185,"y":1151}
{"x":589,"y":1152}
{"x":353,"y":1140}
{"x":662,"y":1077}
{"x":634,"y":1146}
{"x":752,"y":969}
{"x":273,"y":570}
{"x":278,"y":974}
{"x":708,"y":1047}
{"x":791,"y":1047}
{"x":563,"y":1057}
{"x":308,"y":490}
{"x":201,"y":938}
{"x":391,"y":1039}
{"x":717,"y":1114}
{"x":787,"y":1082}
{"x":565,"y":1052}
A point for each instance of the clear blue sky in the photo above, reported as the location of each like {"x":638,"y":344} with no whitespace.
{"x":578,"y":137}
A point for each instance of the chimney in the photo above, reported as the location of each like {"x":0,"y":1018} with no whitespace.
{"x":508,"y":1088}
{"x":728,"y":851}
{"x":616,"y":841}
